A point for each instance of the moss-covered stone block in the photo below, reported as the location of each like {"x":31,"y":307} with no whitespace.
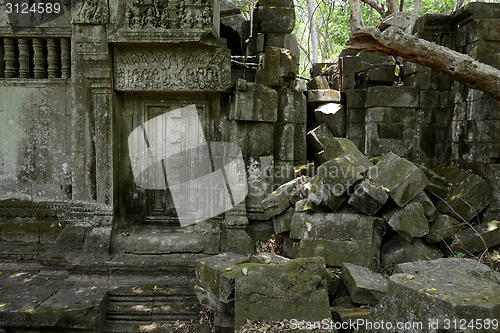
{"x":267,"y":292}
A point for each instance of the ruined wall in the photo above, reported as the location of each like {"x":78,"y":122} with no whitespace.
{"x":35,"y":109}
{"x":422,"y":114}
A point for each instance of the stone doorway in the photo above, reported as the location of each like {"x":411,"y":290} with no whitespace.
{"x":154,"y":204}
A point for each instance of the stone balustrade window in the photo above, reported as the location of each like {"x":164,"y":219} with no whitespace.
{"x":35,"y":58}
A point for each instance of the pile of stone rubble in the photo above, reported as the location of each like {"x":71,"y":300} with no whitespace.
{"x":344,"y":221}
{"x":378,"y":212}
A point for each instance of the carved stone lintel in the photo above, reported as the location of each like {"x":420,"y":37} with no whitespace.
{"x":172,"y":69}
{"x":9,"y":58}
{"x":24,"y":58}
{"x":38,"y":59}
{"x":52,"y":59}
{"x":65,"y":58}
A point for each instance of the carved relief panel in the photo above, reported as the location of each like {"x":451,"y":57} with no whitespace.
{"x":172,"y":69}
{"x":163,"y":20}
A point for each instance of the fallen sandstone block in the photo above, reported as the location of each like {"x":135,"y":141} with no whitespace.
{"x":365,"y":286}
{"x":403,"y":179}
{"x":437,"y":296}
{"x":478,"y":238}
{"x":368,"y":197}
{"x":333,"y":115}
{"x":265,"y":292}
{"x":441,"y":230}
{"x":470,"y":194}
{"x":277,"y":201}
{"x":397,"y":250}
{"x":409,"y":222}
{"x":321,"y":96}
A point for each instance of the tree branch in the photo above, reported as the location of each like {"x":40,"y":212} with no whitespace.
{"x":377,"y":6}
{"x":460,"y":67}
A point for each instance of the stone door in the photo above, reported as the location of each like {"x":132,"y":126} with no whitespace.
{"x":153,"y":203}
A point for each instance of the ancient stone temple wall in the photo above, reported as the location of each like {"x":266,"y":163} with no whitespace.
{"x":75,"y":86}
{"x":422,"y":114}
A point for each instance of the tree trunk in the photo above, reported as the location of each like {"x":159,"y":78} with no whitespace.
{"x":314,"y":33}
{"x":459,"y":66}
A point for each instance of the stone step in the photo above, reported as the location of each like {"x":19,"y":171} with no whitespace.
{"x":146,"y":307}
{"x":132,"y":327}
{"x":122,"y":269}
{"x":164,"y":242}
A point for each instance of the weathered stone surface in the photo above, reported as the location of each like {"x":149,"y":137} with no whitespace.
{"x":281,"y":223}
{"x":383,"y":73}
{"x":436,"y":298}
{"x":284,"y":141}
{"x":320,"y":96}
{"x":430,"y":210}
{"x":470,"y":195}
{"x":254,"y":102}
{"x":286,"y":105}
{"x":338,"y":237}
{"x":468,"y":266}
{"x":279,"y":67}
{"x":286,"y":41}
{"x":209,"y":270}
{"x":337,"y":252}
{"x":306,"y":205}
{"x":319,"y":138}
{"x":397,"y":250}
{"x":340,"y":174}
{"x":365,"y":286}
{"x":337,"y":226}
{"x":391,"y":96}
{"x":269,"y":258}
{"x":438,"y":186}
{"x":442,"y":229}
{"x":478,"y":238}
{"x":318,"y":83}
{"x":409,"y":221}
{"x":274,"y":19}
{"x":301,"y":282}
{"x":277,"y":202}
{"x":368,"y":197}
{"x":402,"y":178}
{"x":340,"y":147}
{"x":260,"y":179}
{"x":333,"y":116}
{"x":321,"y":195}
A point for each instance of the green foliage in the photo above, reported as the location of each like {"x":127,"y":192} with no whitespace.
{"x":332,"y":20}
{"x":459,"y":254}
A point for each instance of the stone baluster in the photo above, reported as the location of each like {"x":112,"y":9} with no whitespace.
{"x":9,"y":58}
{"x":52,"y":59}
{"x":38,"y":59}
{"x":24,"y":58}
{"x":65,"y":58}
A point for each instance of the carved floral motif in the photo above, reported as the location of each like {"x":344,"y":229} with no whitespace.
{"x":169,"y":14}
